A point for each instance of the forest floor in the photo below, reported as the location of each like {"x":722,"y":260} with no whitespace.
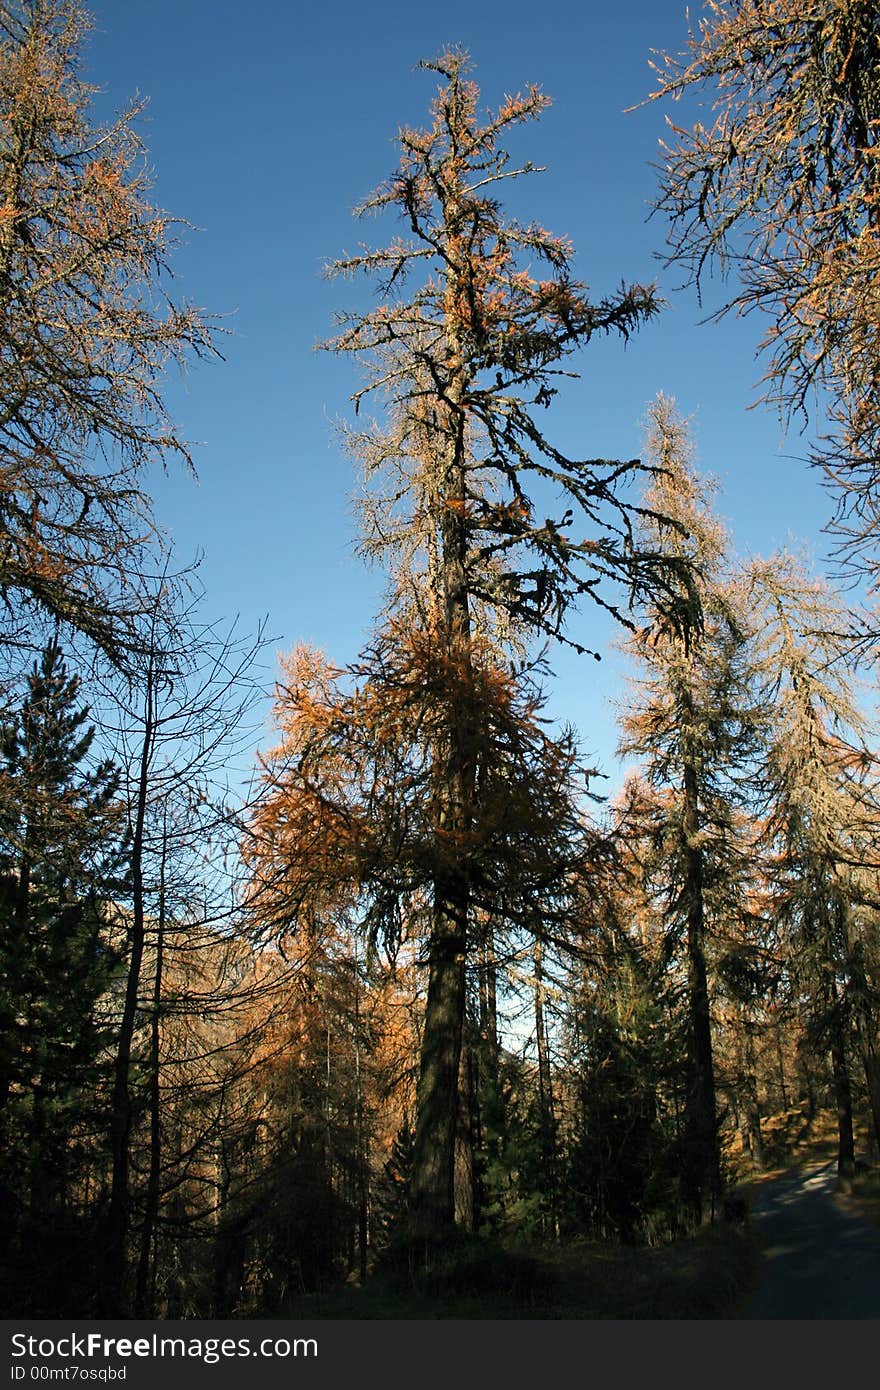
{"x":719,"y":1273}
{"x":701,"y":1277}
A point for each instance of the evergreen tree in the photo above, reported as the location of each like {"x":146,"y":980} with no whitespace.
{"x":62,"y":854}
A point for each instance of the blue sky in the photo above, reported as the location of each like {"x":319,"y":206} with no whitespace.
{"x":265,"y":125}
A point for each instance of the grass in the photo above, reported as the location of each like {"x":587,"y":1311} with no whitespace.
{"x":861,"y":1196}
{"x":704,"y":1276}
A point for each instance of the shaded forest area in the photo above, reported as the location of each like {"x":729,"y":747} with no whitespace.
{"x":420,"y":1003}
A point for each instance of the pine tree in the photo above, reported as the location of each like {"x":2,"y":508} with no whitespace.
{"x":62,"y":849}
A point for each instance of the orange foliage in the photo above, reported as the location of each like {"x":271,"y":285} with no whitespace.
{"x":351,"y":807}
{"x":83,"y":346}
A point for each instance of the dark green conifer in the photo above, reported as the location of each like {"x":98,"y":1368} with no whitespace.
{"x":61,"y":863}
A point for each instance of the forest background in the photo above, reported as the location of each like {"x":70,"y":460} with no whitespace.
{"x":426,"y":976}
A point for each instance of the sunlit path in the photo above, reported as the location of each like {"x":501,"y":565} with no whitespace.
{"x":819,"y":1262}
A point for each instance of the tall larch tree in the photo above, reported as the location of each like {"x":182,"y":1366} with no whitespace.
{"x":463,"y":351}
{"x":820,"y":802}
{"x":687,"y":719}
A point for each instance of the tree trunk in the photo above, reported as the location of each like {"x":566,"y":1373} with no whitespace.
{"x":362,"y":1160}
{"x":871,"y":1064}
{"x":146,"y":1262}
{"x":113,"y":1275}
{"x":756,"y":1142}
{"x":467,"y":1139}
{"x":488,"y":972}
{"x":432,"y":1193}
{"x":846,"y":1155}
{"x":433,"y":1177}
{"x":546,"y":1118}
{"x":489,"y":1102}
{"x":780,"y":1063}
{"x":701,"y":1175}
{"x":865,"y":1021}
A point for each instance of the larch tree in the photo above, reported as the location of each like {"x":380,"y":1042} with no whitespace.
{"x":820,"y":804}
{"x":688,"y":720}
{"x":86,"y":332}
{"x":347,"y":825}
{"x":781,"y":191}
{"x":477,"y":316}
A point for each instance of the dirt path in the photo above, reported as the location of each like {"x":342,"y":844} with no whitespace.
{"x":818,"y":1261}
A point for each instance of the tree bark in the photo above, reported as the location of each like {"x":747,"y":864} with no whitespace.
{"x":433,"y":1177}
{"x":146,"y":1262}
{"x":846,"y":1155}
{"x":467,"y":1139}
{"x":701,"y":1175}
{"x":546,"y":1118}
{"x":756,"y":1142}
{"x":432,"y":1193}
{"x":871,"y":1064}
{"x":113,"y":1276}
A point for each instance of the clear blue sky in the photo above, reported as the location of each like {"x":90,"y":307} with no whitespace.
{"x":266,"y":124}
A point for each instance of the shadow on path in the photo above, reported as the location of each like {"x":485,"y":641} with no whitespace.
{"x":818,"y":1261}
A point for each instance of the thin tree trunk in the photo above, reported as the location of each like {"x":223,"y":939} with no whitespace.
{"x":871,"y":1064}
{"x":846,"y":1155}
{"x":865,"y":1020}
{"x":151,"y":1208}
{"x":489,"y":997}
{"x":467,"y":1203}
{"x":780,"y":1062}
{"x":362,"y":1157}
{"x":546,"y":1118}
{"x":756,"y":1142}
{"x":701,"y":1176}
{"x":487,"y":1081}
{"x":113,"y":1280}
